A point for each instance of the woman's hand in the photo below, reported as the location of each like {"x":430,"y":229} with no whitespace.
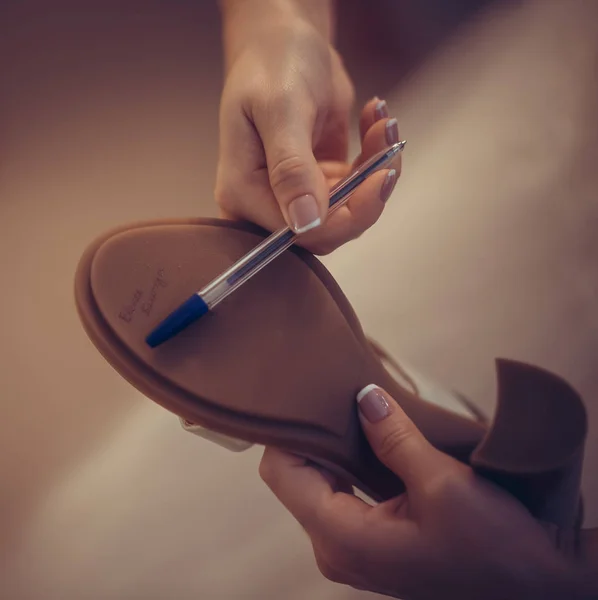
{"x":284,"y":121}
{"x":452,"y":535}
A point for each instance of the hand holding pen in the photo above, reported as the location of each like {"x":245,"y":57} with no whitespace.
{"x":211,"y":295}
{"x":270,"y":174}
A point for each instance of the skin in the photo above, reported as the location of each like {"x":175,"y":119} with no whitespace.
{"x":452,"y":534}
{"x":284,"y":122}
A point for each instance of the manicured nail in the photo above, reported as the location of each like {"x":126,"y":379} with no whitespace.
{"x":372,"y":403}
{"x":388,"y":186}
{"x":392,"y":132}
{"x":304,"y":213}
{"x":381,"y":110}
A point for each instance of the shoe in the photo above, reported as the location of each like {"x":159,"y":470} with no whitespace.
{"x":281,"y":360}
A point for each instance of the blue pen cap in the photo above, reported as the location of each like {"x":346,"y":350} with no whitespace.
{"x":191,"y":310}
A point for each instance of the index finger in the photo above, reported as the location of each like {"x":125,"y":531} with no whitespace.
{"x":309,"y":496}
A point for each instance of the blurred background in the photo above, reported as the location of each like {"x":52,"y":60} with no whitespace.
{"x":109,"y":114}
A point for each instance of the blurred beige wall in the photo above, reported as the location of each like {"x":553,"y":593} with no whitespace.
{"x":108,"y":113}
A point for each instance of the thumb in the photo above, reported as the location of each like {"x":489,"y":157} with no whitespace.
{"x":295,"y":177}
{"x":395,"y":439}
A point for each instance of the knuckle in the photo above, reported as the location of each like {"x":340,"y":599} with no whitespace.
{"x":224,"y":196}
{"x":339,"y":552}
{"x":349,"y":95}
{"x":267,"y":473}
{"x":333,"y":565}
{"x":393,"y":441}
{"x":289,"y":171}
{"x":276,"y":103}
{"x":344,"y":551}
{"x":323,"y":513}
{"x":280,"y":98}
{"x":326,"y":569}
{"x":345,"y":84}
{"x":452,"y":486}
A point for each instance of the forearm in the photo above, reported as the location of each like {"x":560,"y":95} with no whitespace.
{"x":245,"y":20}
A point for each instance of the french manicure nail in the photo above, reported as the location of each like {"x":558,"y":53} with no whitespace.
{"x":372,"y":403}
{"x":381,"y":110}
{"x":388,"y":186}
{"x":392,"y":132}
{"x":304,"y":213}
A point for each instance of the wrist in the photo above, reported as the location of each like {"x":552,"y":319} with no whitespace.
{"x":246,"y":21}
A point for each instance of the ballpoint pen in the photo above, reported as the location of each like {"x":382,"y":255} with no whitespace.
{"x":254,"y":261}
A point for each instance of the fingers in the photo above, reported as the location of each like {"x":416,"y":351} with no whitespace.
{"x":363,"y":209}
{"x":366,"y":204}
{"x":299,"y":487}
{"x":296,"y":179}
{"x":279,"y":187}
{"x":381,"y":135}
{"x":396,"y":440}
{"x":345,"y":532}
{"x":376,"y":132}
{"x":373,"y":111}
{"x":309,"y":495}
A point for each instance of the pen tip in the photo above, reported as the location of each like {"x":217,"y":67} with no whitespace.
{"x":396,"y":148}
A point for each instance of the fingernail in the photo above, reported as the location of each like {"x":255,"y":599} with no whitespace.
{"x":304,"y":213}
{"x":381,"y":110}
{"x":372,"y":403}
{"x":392,"y":132}
{"x":388,"y":186}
